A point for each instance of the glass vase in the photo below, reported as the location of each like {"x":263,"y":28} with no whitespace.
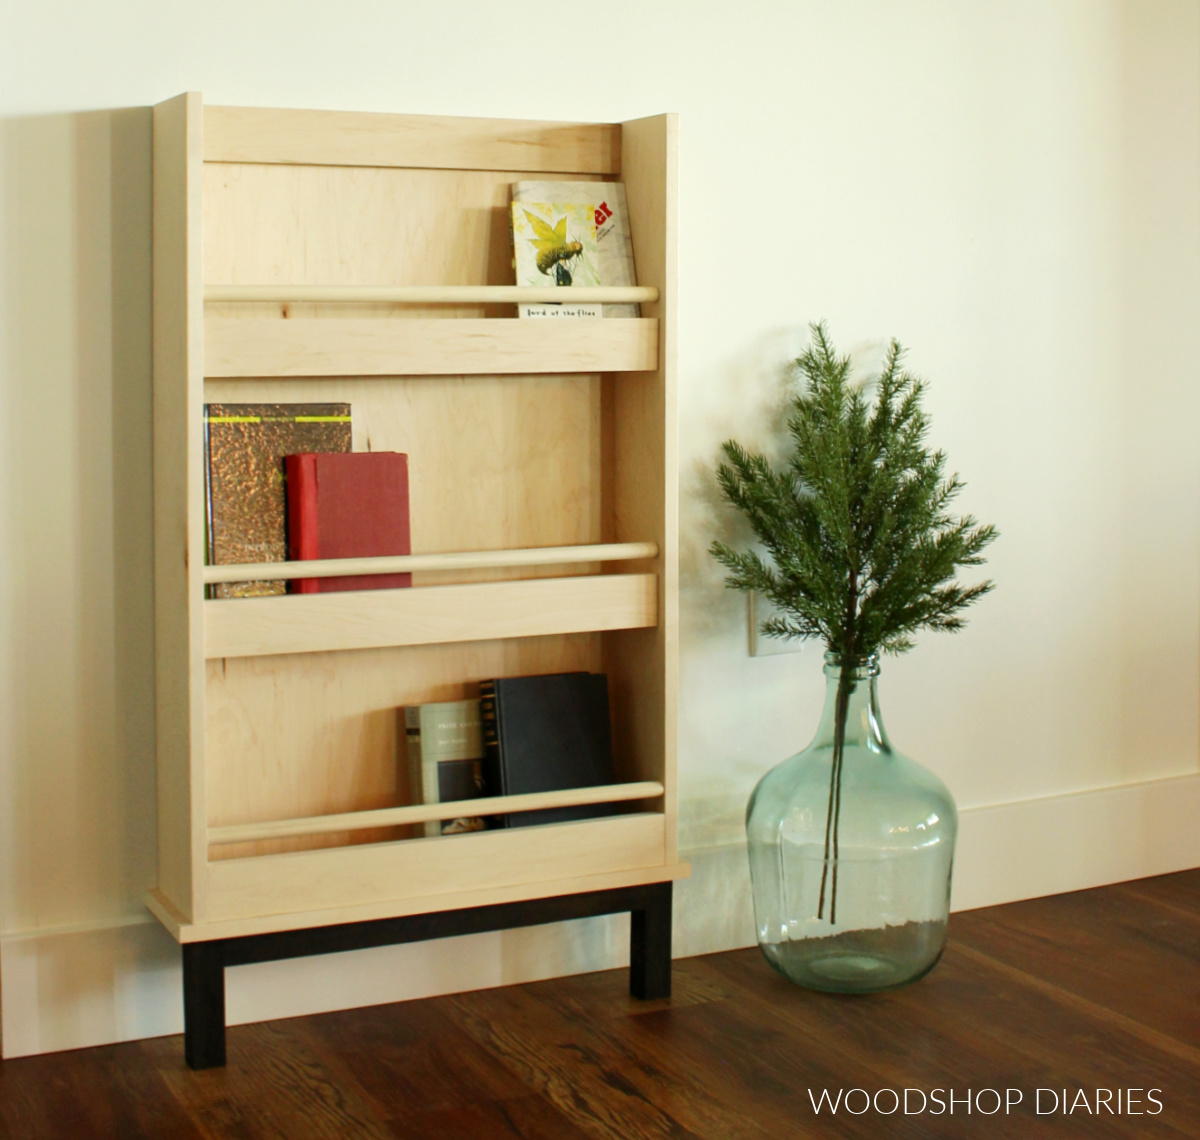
{"x":851,"y":851}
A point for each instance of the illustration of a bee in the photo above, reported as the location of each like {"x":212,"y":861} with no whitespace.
{"x":554,"y":251}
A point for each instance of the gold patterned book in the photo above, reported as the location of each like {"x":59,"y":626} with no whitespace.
{"x":244,"y":449}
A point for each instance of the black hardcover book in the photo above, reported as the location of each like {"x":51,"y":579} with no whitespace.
{"x":543,"y":734}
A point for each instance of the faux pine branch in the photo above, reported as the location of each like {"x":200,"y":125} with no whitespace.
{"x":863,"y":550}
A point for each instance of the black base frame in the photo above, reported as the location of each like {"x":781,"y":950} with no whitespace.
{"x":204,"y":962}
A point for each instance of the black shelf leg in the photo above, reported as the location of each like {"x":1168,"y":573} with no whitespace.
{"x":650,"y":945}
{"x":204,"y":1004}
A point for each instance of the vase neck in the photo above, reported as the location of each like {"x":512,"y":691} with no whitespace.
{"x":857,"y":687}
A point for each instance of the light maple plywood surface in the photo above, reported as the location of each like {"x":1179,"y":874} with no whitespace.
{"x":178,"y":477}
{"x":358,"y":139}
{"x":428,"y":813}
{"x":641,"y":461}
{"x":407,"y":563}
{"x":494,"y":462}
{"x":390,"y":908}
{"x":433,"y":869}
{"x":340,"y":346}
{"x":343,"y":225}
{"x":426,"y":615}
{"x":519,"y":435}
{"x":427,"y":294}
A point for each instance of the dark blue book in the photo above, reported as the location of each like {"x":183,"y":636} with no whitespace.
{"x":544,"y":734}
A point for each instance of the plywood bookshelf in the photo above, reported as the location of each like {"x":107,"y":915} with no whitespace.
{"x":328,"y":256}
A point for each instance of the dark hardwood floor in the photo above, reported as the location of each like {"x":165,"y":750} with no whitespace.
{"x":1081,"y":994}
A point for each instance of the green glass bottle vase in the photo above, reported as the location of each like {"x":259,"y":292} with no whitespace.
{"x":851,"y":863}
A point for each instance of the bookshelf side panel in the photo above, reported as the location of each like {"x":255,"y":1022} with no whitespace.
{"x":178,"y":509}
{"x":641,"y":484}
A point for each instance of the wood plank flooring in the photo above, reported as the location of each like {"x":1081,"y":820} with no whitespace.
{"x":1098,"y":990}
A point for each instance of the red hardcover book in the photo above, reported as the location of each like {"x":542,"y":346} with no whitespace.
{"x":348,"y":506}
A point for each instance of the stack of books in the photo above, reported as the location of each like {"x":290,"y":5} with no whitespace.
{"x":282,"y":483}
{"x":524,"y":734}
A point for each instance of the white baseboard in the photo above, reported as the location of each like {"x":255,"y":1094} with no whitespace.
{"x":1071,"y":842}
{"x":95,"y":985}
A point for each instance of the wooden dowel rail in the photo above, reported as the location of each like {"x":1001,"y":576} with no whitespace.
{"x":409,"y":563}
{"x":422,"y":813}
{"x":435,"y":294}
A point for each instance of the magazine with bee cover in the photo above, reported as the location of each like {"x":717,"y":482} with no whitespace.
{"x":555,"y":245}
{"x":614,"y":241}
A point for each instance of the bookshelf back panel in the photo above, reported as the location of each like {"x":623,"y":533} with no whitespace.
{"x":319,"y":733}
{"x":494,"y":462}
{"x":345,"y":225}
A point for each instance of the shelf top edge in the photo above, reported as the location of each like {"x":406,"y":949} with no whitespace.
{"x":293,"y":136}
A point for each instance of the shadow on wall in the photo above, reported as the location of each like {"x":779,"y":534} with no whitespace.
{"x":749,"y":401}
{"x":78,"y":768}
{"x":738,"y":715}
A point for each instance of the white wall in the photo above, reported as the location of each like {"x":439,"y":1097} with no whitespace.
{"x":1011,"y":189}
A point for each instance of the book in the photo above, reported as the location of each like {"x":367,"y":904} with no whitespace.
{"x":352,"y":505}
{"x":543,"y":734}
{"x":555,"y":245}
{"x":445,"y":759}
{"x":614,"y":263}
{"x":244,"y":449}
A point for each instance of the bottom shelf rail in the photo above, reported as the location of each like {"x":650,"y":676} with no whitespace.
{"x":422,"y":813}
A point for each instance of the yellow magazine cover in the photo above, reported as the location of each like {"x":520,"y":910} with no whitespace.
{"x":555,"y":245}
{"x":614,"y":241}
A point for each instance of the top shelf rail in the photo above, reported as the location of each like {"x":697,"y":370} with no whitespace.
{"x":434,"y":294}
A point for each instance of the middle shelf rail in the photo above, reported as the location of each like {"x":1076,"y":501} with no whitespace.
{"x":422,"y":813}
{"x":412,"y":563}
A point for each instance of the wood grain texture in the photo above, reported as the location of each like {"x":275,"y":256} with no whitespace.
{"x":178,"y":483}
{"x":426,"y":615}
{"x":357,"y":138}
{"x":515,"y":455}
{"x":1056,"y":938}
{"x":318,"y":733}
{"x":429,"y":294}
{"x":734,"y":1053}
{"x":420,"y":813}
{"x":357,"y":226}
{"x":641,"y":462}
{"x":397,"y":908}
{"x":361,"y":347}
{"x":462,"y":560}
{"x":436,"y":871}
{"x":495,"y":463}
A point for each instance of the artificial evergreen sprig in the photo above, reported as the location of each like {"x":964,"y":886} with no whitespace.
{"x":863,"y":550}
